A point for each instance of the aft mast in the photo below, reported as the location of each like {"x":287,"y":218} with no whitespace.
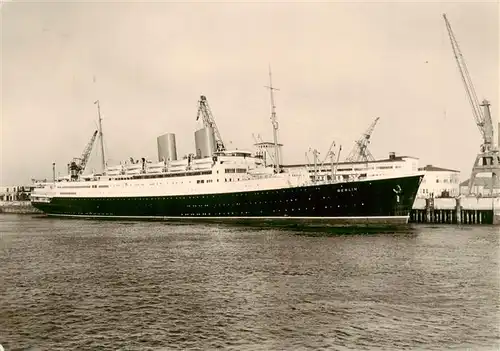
{"x":101,"y":140}
{"x":274,"y":122}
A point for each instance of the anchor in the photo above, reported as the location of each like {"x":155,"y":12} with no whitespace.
{"x":397,"y":190}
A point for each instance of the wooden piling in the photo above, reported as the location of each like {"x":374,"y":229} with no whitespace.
{"x":458,"y":210}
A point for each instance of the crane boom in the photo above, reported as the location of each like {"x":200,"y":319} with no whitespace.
{"x":360,"y":152}
{"x":87,"y":151}
{"x":329,"y":153}
{"x":209,"y":121}
{"x":488,"y":159}
{"x":78,"y":164}
{"x":483,"y":120}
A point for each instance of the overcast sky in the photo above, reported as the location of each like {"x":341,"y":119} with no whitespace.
{"x":337,"y":65}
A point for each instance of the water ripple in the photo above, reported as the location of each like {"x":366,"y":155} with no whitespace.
{"x":89,"y":285}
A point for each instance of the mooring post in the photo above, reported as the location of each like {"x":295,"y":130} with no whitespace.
{"x":428,"y":210}
{"x":458,"y":210}
{"x":495,"y":210}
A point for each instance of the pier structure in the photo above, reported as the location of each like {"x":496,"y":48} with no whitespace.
{"x":459,"y":210}
{"x":16,"y":199}
{"x":18,"y":207}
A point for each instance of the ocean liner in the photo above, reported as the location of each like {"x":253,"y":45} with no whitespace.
{"x":216,"y":183}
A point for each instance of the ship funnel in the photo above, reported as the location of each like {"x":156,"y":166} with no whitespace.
{"x":205,"y":142}
{"x":167,"y":149}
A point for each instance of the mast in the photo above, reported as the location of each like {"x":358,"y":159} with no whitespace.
{"x":274,"y":122}
{"x":101,"y":140}
{"x":315,"y":156}
{"x":337,"y":163}
{"x":332,"y":172}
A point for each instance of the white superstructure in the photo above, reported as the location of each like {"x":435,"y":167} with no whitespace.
{"x":228,"y":171}
{"x":349,"y":171}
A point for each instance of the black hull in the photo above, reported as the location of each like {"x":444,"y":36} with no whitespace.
{"x":382,"y":201}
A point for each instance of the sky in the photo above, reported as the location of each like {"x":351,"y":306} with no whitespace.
{"x":338,"y":66}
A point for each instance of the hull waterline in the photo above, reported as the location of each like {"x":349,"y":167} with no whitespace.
{"x":385,"y":201}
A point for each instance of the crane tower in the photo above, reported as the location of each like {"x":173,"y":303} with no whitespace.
{"x":360,"y":152}
{"x":78,"y":165}
{"x":488,"y":159}
{"x":209,"y":121}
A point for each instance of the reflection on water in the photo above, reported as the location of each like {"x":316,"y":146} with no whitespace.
{"x":85,"y":284}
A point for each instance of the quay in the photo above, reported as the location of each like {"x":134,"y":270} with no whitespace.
{"x":459,"y":210}
{"x":16,"y":199}
{"x":18,"y":207}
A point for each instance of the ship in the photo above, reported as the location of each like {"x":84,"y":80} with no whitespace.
{"x":221,"y":184}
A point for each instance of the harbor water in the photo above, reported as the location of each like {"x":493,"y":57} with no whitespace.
{"x":92,"y":285}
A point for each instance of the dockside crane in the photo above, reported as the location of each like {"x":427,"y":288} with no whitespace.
{"x":77,"y":166}
{"x":488,"y":159}
{"x":209,"y":121}
{"x":360,"y":152}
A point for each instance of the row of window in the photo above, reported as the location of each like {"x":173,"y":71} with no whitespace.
{"x":166,"y":175}
{"x":339,"y":190}
{"x":363,"y":169}
{"x":275,"y":210}
{"x":239,"y":213}
{"x":446,"y":180}
{"x":199,"y":181}
{"x":235,"y":170}
{"x":432,"y":191}
{"x":154,"y":176}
